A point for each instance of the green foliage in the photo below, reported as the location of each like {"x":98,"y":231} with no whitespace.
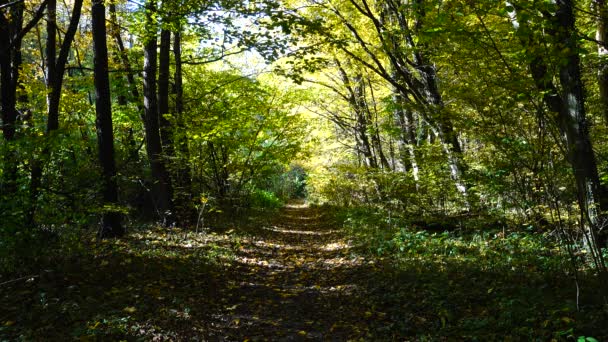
{"x":241,"y":130}
{"x":264,"y":199}
{"x":475,"y":285}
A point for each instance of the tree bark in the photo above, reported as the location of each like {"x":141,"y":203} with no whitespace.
{"x":183,"y":173}
{"x":407,"y":137}
{"x":166,"y":131}
{"x":160,"y":176}
{"x":51,"y":63}
{"x":124,"y":57}
{"x":569,"y":106}
{"x":10,"y":62}
{"x":410,"y":71}
{"x":55,"y":71}
{"x":602,"y":51}
{"x":110,"y":222}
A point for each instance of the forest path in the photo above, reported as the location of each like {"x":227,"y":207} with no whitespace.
{"x":296,"y":279}
{"x":293,"y":278}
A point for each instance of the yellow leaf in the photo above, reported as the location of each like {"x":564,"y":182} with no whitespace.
{"x":9,"y":323}
{"x":368,"y":314}
{"x":302,"y":333}
{"x":105,"y":263}
{"x":129,"y":309}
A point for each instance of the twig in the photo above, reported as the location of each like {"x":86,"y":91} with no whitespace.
{"x":18,"y":279}
{"x":9,"y":5}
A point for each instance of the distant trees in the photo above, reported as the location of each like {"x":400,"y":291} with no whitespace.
{"x":437,"y":106}
{"x":50,"y":175}
{"x":508,"y":105}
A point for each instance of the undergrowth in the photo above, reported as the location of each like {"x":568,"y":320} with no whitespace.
{"x":477,"y":284}
{"x":145,"y":286}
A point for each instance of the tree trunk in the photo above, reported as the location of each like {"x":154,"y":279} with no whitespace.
{"x":407,"y":137}
{"x":124,"y":57}
{"x":110,"y":222}
{"x":55,"y":71}
{"x":602,"y":51}
{"x":160,"y":176}
{"x":592,"y":196}
{"x":51,"y":63}
{"x":421,"y":82}
{"x":569,"y":105}
{"x":166,"y":131}
{"x":10,"y":62}
{"x":182,"y":169}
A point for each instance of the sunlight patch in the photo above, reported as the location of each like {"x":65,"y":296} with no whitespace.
{"x":335,"y":246}
{"x":301,"y":232}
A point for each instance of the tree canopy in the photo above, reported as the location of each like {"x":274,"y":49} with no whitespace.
{"x":410,"y":124}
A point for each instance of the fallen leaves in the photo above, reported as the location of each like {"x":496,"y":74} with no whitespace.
{"x":130,"y":309}
{"x":283,"y":284}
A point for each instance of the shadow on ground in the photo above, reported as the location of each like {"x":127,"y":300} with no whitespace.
{"x":296,"y":277}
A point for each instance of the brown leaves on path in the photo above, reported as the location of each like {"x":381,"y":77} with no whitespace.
{"x":296,"y":279}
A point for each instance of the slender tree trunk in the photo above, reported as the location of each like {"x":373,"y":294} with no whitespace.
{"x":124,"y":57}
{"x":183,"y":173}
{"x":569,"y":105}
{"x":110,"y":222}
{"x":422,"y":81}
{"x":166,"y":131}
{"x":592,"y":195}
{"x":356,"y":100}
{"x":407,"y":137}
{"x":10,"y":63}
{"x":55,"y":71}
{"x":160,"y":176}
{"x":372,"y":113}
{"x":166,"y":128}
{"x":51,"y":63}
{"x":602,"y":50}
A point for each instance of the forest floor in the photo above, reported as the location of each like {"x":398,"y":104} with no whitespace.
{"x":296,"y":276}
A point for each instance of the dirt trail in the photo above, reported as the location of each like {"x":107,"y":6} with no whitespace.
{"x":296,"y":279}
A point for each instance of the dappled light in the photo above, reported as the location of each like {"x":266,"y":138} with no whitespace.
{"x":294,"y":170}
{"x":298,"y":232}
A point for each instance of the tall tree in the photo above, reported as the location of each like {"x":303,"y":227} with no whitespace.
{"x":161,"y":189}
{"x":164,"y":69}
{"x":55,"y":71}
{"x":115,"y":32}
{"x":568,"y":104}
{"x":387,"y":38}
{"x":110,"y":222}
{"x":12,"y":32}
{"x":183,"y":181}
{"x":602,"y":50}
